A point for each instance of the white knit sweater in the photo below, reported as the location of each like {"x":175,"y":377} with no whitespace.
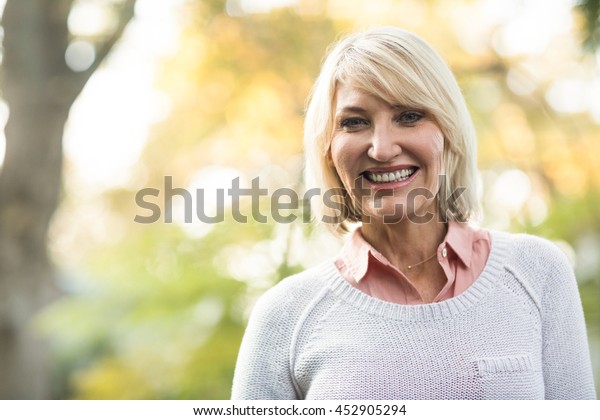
{"x":517,"y":333}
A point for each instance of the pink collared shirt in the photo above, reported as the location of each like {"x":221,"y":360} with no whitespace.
{"x":462,"y":255}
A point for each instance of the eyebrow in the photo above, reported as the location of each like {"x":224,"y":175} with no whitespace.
{"x":351,"y":109}
{"x":358,"y":109}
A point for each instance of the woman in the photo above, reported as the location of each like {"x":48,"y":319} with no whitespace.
{"x":418,"y":304}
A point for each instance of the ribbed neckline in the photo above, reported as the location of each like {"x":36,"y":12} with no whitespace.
{"x":430,"y":311}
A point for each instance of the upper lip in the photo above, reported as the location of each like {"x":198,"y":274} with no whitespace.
{"x":389,"y":169}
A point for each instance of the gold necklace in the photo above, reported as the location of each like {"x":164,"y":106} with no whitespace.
{"x":419,"y":263}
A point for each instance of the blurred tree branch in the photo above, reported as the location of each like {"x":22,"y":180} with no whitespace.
{"x":39,"y":89}
{"x":103,"y":48}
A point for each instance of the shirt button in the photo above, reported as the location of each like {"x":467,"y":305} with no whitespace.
{"x":444,"y":252}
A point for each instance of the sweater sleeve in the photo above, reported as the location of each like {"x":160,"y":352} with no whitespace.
{"x":566,"y":359}
{"x":262,"y":370}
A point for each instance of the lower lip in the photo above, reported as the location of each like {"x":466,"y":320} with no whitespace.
{"x":392,"y":185}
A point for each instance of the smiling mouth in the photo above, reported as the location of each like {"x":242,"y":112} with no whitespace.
{"x":393,"y":176}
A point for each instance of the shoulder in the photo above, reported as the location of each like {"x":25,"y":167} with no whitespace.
{"x":263,"y":367}
{"x":530,"y":251}
{"x":539,"y":266}
{"x":292,"y":295}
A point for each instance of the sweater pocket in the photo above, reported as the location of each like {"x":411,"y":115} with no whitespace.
{"x":506,"y":364}
{"x":509,"y":377}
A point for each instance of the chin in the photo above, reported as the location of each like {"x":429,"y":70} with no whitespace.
{"x":385,"y":215}
{"x":395,"y":212}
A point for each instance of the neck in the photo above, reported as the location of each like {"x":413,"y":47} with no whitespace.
{"x":405,"y":243}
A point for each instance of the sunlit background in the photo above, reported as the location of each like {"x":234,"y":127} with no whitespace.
{"x":205,"y":91}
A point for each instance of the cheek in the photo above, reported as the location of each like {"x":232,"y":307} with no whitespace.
{"x":343,"y":159}
{"x":437,"y":140}
{"x":437,"y":150}
{"x":439,"y":155}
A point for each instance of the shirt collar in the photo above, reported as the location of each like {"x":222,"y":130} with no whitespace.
{"x":357,"y":252}
{"x":460,"y":238}
{"x":355,"y":255}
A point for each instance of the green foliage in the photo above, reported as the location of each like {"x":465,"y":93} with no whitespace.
{"x":151,"y":319}
{"x":590,"y":9}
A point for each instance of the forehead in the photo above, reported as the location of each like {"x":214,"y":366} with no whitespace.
{"x":349,"y":96}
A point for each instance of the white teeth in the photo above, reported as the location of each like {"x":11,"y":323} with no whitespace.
{"x":400,"y":175}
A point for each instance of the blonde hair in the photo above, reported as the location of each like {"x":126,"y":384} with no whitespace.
{"x":400,"y":68}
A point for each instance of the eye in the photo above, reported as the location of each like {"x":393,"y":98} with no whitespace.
{"x":410,"y":117}
{"x":352,"y":124}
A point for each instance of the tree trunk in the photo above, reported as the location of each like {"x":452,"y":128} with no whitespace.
{"x":39,"y":89}
{"x":35,"y":38}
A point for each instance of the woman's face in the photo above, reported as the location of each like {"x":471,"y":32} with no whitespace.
{"x":388,"y":157}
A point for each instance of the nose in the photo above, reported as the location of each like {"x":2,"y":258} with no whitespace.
{"x":384,"y":144}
